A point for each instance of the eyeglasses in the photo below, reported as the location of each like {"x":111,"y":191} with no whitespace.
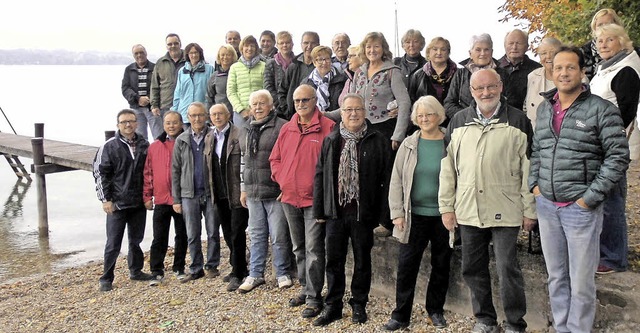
{"x":127,"y":122}
{"x":352,"y":110}
{"x":492,"y":87}
{"x":198,"y":115}
{"x":321,"y":60}
{"x":302,"y":100}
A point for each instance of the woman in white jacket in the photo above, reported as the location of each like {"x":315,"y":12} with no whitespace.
{"x":618,"y":81}
{"x":413,"y":202}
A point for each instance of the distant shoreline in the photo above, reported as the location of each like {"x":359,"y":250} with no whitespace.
{"x":65,"y":57}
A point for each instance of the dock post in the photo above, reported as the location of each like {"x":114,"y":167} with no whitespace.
{"x":109,"y":134}
{"x":41,"y":187}
{"x":39,"y":130}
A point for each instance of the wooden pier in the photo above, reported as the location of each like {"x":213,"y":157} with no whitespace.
{"x":49,"y":156}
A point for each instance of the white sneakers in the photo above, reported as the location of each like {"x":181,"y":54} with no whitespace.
{"x":284,"y":282}
{"x":249,"y":284}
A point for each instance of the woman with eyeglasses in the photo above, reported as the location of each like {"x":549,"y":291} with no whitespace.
{"x":192,"y":80}
{"x":413,"y":201}
{"x":327,"y":80}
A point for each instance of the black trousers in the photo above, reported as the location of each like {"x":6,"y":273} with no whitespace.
{"x":133,"y":219}
{"x":338,"y":233}
{"x":162,"y":215}
{"x":234,"y":222}
{"x":424,"y":229}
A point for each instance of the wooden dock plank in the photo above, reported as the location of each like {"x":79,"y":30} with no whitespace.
{"x":67,"y":154}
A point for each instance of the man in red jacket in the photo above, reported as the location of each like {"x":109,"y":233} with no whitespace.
{"x":293,"y":165}
{"x":156,"y":194}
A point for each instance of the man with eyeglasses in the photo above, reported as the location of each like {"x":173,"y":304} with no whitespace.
{"x":136,"y":89}
{"x":293,"y":164}
{"x":299,"y":69}
{"x":483,"y":191}
{"x":117,"y":168}
{"x":164,"y":78}
{"x":350,"y":188}
{"x":192,"y":194}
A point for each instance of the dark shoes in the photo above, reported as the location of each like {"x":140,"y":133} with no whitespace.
{"x":358,"y":314}
{"x":328,"y":316}
{"x":106,"y":286}
{"x":437,"y":319}
{"x":142,"y":276}
{"x":227,"y":278}
{"x":234,"y":284}
{"x":311,"y":311}
{"x":297,"y":301}
{"x":211,"y":272}
{"x":394,"y":325}
{"x":192,"y":277}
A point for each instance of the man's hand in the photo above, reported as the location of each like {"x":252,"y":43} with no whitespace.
{"x":155,"y":111}
{"x":580,"y":202}
{"x":143,"y":101}
{"x":528,"y":224}
{"x":449,"y":220}
{"x":245,"y":113}
{"x":107,"y":207}
{"x":243,"y":199}
{"x":400,"y":222}
{"x":395,"y":145}
{"x":148,"y":205}
{"x":536,"y":191}
{"x":177,"y":208}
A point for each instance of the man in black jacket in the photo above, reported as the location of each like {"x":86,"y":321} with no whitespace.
{"x":350,"y":189}
{"x":118,"y":169}
{"x":136,"y":89}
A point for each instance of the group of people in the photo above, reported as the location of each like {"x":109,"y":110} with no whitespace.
{"x":312,"y":152}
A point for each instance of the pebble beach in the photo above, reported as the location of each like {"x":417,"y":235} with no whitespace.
{"x":69,"y":301}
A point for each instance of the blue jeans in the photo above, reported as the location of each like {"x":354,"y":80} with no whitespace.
{"x":475,"y":271}
{"x":144,"y":118}
{"x":614,"y":244}
{"x":134,"y":219}
{"x":308,"y":239}
{"x":570,"y":238}
{"x":193,"y":209}
{"x":266,"y":219}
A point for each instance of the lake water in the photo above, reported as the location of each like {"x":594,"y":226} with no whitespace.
{"x":76,"y":104}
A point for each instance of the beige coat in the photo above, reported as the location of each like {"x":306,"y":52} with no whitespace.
{"x":401,"y":182}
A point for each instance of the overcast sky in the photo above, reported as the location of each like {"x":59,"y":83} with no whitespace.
{"x":116,"y":25}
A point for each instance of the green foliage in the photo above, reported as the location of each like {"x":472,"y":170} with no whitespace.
{"x":569,"y":20}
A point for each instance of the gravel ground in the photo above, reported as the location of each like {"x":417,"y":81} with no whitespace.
{"x":69,"y":301}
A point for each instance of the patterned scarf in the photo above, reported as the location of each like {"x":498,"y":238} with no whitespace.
{"x":323,"y":87}
{"x":250,"y":63}
{"x":348,"y":180}
{"x":253,"y":135}
{"x":446,"y":75}
{"x":474,"y":68}
{"x":282,"y":61}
